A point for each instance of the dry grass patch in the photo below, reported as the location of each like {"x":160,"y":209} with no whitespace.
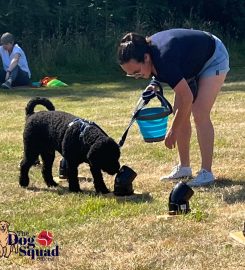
{"x":95,"y":232}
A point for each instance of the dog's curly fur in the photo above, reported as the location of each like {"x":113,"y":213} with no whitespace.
{"x":47,"y":131}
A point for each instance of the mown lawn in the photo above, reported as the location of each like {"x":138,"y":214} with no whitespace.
{"x":96,"y":232}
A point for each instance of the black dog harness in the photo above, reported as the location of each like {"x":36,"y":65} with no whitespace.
{"x":84,"y":124}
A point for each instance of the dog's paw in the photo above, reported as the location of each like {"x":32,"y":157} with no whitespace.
{"x":103,"y":191}
{"x":22,"y":186}
{"x":108,"y":195}
{"x":75,"y":189}
{"x":53,"y":185}
{"x":24,"y":183}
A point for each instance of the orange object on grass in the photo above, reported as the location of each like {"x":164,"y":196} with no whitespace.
{"x":45,"y":80}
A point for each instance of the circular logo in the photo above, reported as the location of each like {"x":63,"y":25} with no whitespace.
{"x":45,"y":238}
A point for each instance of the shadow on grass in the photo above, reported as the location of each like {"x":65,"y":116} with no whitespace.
{"x":92,"y":85}
{"x":70,"y":93}
{"x":61,"y":190}
{"x":227,"y":182}
{"x":81,"y":90}
{"x":232,"y":191}
{"x":136,"y":197}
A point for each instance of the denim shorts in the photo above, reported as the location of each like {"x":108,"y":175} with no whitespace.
{"x":218,"y":63}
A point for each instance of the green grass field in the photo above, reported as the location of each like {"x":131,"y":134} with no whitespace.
{"x":96,"y":232}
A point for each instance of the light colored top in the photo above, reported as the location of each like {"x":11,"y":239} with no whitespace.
{"x":7,"y":58}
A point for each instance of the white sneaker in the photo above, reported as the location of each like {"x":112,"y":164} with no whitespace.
{"x":178,"y":172}
{"x":203,"y":178}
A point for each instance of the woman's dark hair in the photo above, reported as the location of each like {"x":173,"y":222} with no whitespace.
{"x":132,"y":46}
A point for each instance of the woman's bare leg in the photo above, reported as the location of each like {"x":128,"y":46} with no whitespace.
{"x":208,"y":90}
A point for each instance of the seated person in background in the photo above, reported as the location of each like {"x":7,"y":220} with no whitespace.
{"x":15,"y":67}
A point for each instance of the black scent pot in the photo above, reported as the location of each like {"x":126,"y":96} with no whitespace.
{"x":123,"y":182}
{"x":179,"y":199}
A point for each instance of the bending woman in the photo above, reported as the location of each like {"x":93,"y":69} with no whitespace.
{"x":194,"y":64}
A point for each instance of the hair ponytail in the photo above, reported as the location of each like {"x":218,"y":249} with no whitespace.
{"x":132,"y":46}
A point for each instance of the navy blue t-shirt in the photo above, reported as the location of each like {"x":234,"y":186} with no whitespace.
{"x":180,"y":53}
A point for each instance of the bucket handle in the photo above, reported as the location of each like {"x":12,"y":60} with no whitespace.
{"x":146,"y":96}
{"x":159,"y":95}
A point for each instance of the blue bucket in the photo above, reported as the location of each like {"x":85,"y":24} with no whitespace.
{"x":153,"y":123}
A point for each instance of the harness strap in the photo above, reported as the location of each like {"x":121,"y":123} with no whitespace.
{"x":146,"y":96}
{"x":84,"y":124}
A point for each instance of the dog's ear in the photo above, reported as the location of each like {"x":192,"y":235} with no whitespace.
{"x":105,"y":155}
{"x":94,"y":155}
{"x":103,"y":150}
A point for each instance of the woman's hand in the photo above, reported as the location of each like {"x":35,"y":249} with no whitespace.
{"x":182,"y":111}
{"x":170,"y":139}
{"x":152,"y":87}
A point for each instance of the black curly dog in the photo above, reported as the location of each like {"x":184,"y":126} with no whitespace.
{"x":76,"y":139}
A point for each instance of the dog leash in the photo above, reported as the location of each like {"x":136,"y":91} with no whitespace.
{"x":146,"y":96}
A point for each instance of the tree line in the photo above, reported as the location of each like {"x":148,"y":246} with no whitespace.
{"x":60,"y":31}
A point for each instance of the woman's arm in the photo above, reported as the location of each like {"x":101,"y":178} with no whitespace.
{"x":14,"y":62}
{"x":182,"y":107}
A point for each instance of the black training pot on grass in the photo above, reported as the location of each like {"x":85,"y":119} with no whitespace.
{"x":179,"y":199}
{"x":123,"y":185}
